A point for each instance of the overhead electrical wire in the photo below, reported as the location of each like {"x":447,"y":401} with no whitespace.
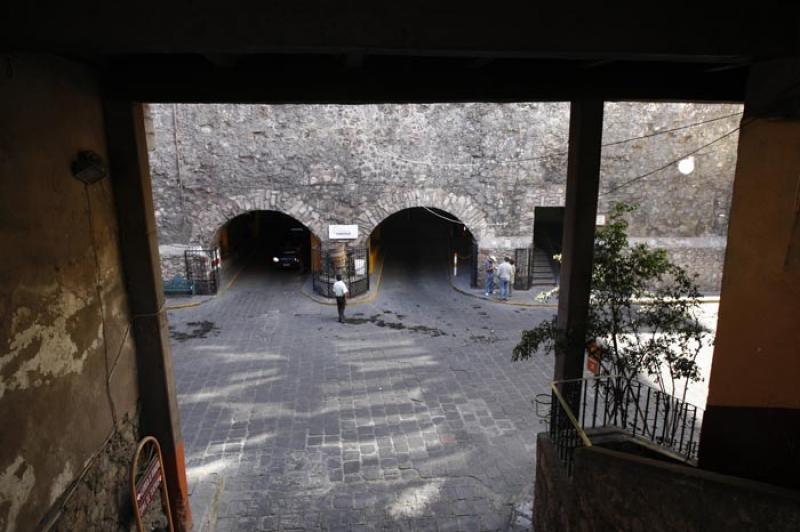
{"x":564,"y":153}
{"x":675,"y":161}
{"x":672,"y":130}
{"x":443,"y":217}
{"x":552,"y":154}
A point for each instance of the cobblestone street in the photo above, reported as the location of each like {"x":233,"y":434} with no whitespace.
{"x":411,"y":416}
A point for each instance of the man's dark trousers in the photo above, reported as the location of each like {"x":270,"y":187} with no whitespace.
{"x":341,"y":302}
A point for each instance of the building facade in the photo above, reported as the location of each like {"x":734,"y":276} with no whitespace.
{"x":489,"y":165}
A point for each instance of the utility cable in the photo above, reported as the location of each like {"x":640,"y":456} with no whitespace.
{"x":672,"y":130}
{"x":459,"y":222}
{"x":564,"y":153}
{"x":101,"y":305}
{"x":500,"y":161}
{"x":665,"y":166}
{"x":511,"y":161}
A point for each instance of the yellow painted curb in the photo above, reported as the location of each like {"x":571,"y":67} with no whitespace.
{"x":498,"y":302}
{"x":644,"y":301}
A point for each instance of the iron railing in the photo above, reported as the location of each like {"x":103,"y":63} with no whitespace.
{"x":473,"y":281}
{"x":523,"y":273}
{"x":351,"y":262}
{"x":582,"y":409}
{"x":565,"y":431}
{"x":202,"y":269}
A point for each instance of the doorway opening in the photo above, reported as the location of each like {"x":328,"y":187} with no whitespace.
{"x":548,"y":228}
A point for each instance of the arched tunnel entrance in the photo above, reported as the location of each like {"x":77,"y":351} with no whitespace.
{"x":423,"y":241}
{"x":272,"y":240}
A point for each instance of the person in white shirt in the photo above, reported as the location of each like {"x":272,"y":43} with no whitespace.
{"x":340,"y":291}
{"x":504,"y":272}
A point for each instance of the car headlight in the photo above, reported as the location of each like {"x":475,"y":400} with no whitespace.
{"x":275,"y":259}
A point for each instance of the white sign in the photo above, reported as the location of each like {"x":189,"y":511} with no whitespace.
{"x":601,"y":219}
{"x":343,"y":232}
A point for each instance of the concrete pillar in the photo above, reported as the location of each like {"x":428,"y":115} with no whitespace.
{"x":130,"y":176}
{"x":580,"y":214}
{"x":752,"y":423}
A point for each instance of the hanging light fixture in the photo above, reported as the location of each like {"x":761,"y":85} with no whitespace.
{"x":89,"y":167}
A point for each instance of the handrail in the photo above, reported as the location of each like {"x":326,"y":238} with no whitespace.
{"x":635,"y":407}
{"x":567,"y":410}
{"x":582,"y":379}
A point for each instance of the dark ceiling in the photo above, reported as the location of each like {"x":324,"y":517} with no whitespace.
{"x":358,"y":51}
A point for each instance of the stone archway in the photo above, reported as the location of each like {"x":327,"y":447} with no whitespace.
{"x":463,"y":207}
{"x":209,"y":221}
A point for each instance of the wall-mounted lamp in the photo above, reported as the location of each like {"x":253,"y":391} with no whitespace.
{"x":89,"y":167}
{"x":686,"y":166}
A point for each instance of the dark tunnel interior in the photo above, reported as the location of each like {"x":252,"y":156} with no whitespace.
{"x":421,"y":239}
{"x":272,"y":239}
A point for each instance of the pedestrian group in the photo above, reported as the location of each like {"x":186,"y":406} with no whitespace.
{"x":500,"y":275}
{"x":497,"y":275}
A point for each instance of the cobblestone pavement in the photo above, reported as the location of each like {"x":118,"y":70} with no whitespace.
{"x":411,"y":416}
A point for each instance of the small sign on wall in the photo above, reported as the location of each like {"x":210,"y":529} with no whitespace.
{"x":343,"y":232}
{"x":593,"y":365}
{"x":601,"y":219}
{"x":146,"y":480}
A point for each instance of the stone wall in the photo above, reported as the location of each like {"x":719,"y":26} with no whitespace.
{"x":173,"y":261}
{"x":68,"y":375}
{"x":610,"y":490}
{"x":488,"y":164}
{"x":704,"y":256}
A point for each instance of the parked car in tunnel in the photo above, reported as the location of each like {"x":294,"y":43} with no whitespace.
{"x":291,"y":252}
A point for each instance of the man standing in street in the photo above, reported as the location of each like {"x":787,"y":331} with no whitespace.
{"x":340,"y":291}
{"x":504,"y":272}
{"x":489,"y":275}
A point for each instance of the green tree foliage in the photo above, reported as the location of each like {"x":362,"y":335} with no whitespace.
{"x":643,"y":313}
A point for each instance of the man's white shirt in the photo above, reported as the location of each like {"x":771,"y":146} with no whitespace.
{"x":340,"y":289}
{"x":504,"y":271}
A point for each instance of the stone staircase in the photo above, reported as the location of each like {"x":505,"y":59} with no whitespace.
{"x":542,"y":269}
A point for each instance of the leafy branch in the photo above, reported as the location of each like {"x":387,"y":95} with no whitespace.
{"x":643,"y":313}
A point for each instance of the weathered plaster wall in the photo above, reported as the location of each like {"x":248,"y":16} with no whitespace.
{"x":488,"y":164}
{"x":68,"y":382}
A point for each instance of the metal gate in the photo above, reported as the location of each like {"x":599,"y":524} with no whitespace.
{"x":202,"y":270}
{"x":352,"y":263}
{"x":523,"y":260}
{"x":474,"y":278}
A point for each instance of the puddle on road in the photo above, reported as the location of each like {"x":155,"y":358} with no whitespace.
{"x":481,"y":339}
{"x":200,"y":329}
{"x":378,"y":319}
